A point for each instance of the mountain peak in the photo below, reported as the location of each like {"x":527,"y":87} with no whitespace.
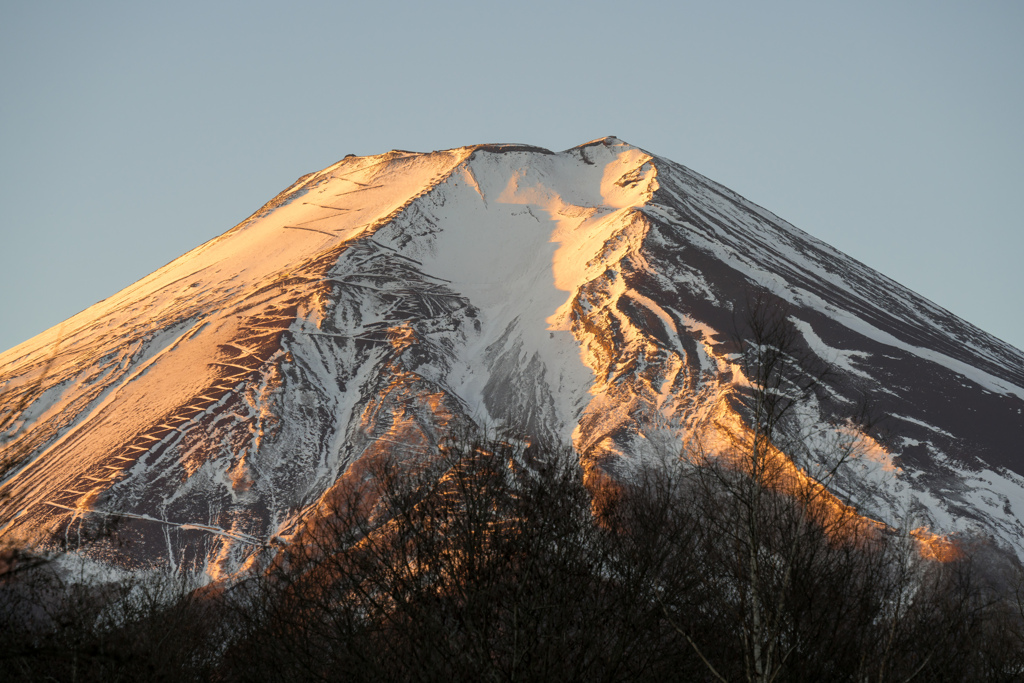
{"x":587,"y":297}
{"x":607,"y":141}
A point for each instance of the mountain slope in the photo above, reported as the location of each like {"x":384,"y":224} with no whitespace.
{"x":587,"y":296}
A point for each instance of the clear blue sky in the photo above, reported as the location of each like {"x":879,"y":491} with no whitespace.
{"x":131,"y":132}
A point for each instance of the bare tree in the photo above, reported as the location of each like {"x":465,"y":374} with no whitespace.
{"x":489,"y":559}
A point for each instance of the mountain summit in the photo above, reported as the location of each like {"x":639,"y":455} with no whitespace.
{"x":587,"y":297}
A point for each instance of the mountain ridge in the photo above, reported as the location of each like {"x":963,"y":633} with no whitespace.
{"x":584,"y":296}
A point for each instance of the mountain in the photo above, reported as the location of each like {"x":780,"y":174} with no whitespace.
{"x":588,"y":296}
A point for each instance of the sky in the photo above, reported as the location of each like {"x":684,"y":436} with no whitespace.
{"x":132,"y":132}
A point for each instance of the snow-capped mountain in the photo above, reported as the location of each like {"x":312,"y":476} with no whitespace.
{"x":586,"y":296}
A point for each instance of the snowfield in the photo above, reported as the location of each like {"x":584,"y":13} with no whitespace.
{"x":587,"y":296}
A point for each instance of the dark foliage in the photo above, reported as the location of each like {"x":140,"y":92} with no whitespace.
{"x":495,"y":563}
{"x":491,"y":560}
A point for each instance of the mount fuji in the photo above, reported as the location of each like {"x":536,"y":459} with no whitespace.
{"x":585,"y":297}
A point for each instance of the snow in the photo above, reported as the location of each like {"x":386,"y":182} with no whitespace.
{"x":385,"y":297}
{"x":844,"y":360}
{"x":797,"y":252}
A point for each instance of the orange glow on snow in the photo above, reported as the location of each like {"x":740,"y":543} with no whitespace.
{"x":935,"y":546}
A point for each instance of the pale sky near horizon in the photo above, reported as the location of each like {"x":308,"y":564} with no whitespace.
{"x":132,"y":132}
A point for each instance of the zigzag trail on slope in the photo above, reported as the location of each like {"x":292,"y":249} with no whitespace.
{"x":186,"y":338}
{"x":223,"y":400}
